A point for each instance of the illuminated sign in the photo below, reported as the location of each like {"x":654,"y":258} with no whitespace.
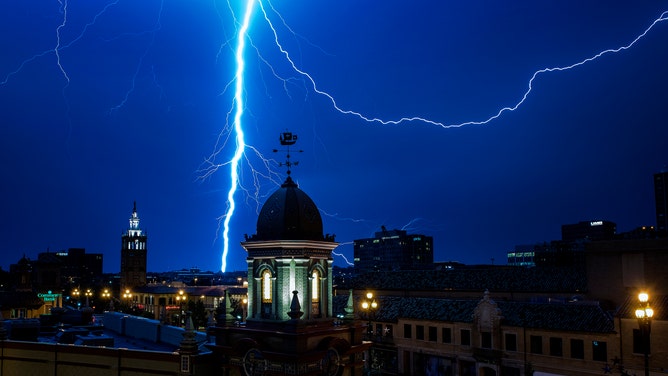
{"x":48,"y":297}
{"x":595,"y":223}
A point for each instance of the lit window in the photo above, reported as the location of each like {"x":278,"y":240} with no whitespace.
{"x":315,"y":286}
{"x":266,"y":286}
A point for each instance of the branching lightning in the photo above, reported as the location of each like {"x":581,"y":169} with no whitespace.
{"x":58,"y":47}
{"x":239,"y":106}
{"x":238,"y":129}
{"x":233,"y":130}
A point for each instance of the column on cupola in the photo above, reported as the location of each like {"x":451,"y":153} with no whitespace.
{"x":329,"y":292}
{"x":253,"y":282}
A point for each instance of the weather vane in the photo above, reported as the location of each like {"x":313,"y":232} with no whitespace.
{"x":288,"y":139}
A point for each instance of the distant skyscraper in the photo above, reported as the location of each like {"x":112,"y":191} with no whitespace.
{"x":133,"y":254}
{"x":588,"y":230}
{"x":393,"y":250}
{"x":661,"y":202}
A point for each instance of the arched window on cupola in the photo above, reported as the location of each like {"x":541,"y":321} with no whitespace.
{"x":266,"y":294}
{"x":316,"y":293}
{"x":266,"y":286}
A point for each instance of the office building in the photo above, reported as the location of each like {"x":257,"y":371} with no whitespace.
{"x":588,"y":230}
{"x":393,"y":250}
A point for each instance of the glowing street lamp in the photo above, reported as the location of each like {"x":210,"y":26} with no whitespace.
{"x":106,"y":295}
{"x":244,"y":306}
{"x":88,"y":294}
{"x":76,"y":293}
{"x":644,"y":315}
{"x":180,"y":300}
{"x":369,"y":305}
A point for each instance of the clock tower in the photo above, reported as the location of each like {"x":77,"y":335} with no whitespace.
{"x":133,"y":254}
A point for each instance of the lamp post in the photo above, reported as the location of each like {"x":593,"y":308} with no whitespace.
{"x":76,"y":294}
{"x":106,"y":295}
{"x":88,"y":295}
{"x":180,"y":299}
{"x":644,"y":315}
{"x":127,"y":295}
{"x":369,"y":305}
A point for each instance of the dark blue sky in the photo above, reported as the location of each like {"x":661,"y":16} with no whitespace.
{"x":108,"y":102}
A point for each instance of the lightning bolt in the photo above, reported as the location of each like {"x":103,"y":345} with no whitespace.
{"x":239,"y":105}
{"x":238,"y":129}
{"x":58,"y":47}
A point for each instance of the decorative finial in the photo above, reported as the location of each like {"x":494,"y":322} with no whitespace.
{"x":288,"y":139}
{"x":295,"y":308}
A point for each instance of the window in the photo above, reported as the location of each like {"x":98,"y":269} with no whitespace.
{"x":599,"y":351}
{"x":556,"y":346}
{"x":432,"y":334}
{"x":408,"y":331}
{"x":577,"y":349}
{"x":511,"y":342}
{"x":536,"y":344}
{"x":315,"y":286}
{"x":486,"y":340}
{"x":465,"y":337}
{"x":266,"y":286}
{"x":419,"y":332}
{"x":446,"y":333}
{"x":185,"y":363}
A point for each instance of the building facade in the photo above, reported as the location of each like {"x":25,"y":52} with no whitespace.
{"x":484,"y":337}
{"x":393,"y":250}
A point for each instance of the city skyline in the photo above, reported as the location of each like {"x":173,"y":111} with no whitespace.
{"x":107,"y":103}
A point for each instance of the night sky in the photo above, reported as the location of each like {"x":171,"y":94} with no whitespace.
{"x":104,"y":103}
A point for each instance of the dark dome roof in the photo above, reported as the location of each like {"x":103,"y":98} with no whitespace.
{"x":289,"y":214}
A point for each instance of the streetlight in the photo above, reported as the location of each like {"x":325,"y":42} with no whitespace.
{"x":180,"y":299}
{"x":644,"y":315}
{"x":369,"y":305}
{"x":76,"y":294}
{"x":106,"y":295}
{"x":88,"y":295}
{"x":244,"y":303}
{"x":127,"y":295}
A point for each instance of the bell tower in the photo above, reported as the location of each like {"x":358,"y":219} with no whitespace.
{"x":133,"y":254}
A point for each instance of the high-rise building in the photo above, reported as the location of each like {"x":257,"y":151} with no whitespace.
{"x":76,"y":265}
{"x":133,"y":254}
{"x":661,"y":202}
{"x":588,"y":230}
{"x":392,"y":250}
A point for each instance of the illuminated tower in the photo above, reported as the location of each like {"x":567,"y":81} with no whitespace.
{"x":289,"y":253}
{"x":133,"y":254}
{"x":290,"y":327}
